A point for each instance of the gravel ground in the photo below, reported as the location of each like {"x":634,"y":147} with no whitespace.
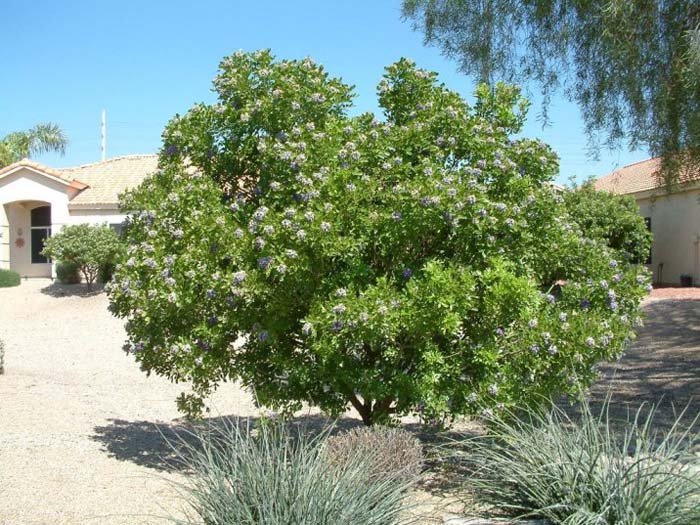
{"x":81,"y":425}
{"x":662,"y":367}
{"x":79,"y":422}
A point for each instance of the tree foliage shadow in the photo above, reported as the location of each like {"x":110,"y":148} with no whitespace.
{"x":56,"y":289}
{"x":159,"y":445}
{"x":661,"y":368}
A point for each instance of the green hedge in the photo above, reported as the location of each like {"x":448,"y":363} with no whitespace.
{"x":9,"y":278}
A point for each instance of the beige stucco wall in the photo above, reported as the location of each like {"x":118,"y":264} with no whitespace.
{"x":675,"y":223}
{"x":19,"y":193}
{"x":24,"y":190}
{"x":95,"y":216}
{"x":19,"y":215}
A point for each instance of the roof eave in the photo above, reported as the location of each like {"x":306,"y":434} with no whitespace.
{"x":93,"y":206}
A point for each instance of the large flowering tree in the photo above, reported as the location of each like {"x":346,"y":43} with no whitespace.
{"x":418,"y":261}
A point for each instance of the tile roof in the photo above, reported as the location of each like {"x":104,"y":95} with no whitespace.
{"x":637,"y":177}
{"x":107,"y":179}
{"x":37,"y":166}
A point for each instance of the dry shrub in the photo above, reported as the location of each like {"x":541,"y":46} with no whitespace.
{"x":392,"y":453}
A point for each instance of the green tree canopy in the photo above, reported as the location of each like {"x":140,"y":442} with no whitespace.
{"x":415,"y":262}
{"x":42,"y":138}
{"x":633,"y":67}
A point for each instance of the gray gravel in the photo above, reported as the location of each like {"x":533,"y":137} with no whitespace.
{"x":79,"y":422}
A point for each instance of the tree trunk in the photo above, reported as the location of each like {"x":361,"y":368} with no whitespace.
{"x":364,"y":409}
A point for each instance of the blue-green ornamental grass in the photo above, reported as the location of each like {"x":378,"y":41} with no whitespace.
{"x":277,"y":476}
{"x":417,"y":261}
{"x":588,"y":470}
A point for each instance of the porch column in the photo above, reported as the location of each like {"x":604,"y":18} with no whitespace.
{"x":4,"y":238}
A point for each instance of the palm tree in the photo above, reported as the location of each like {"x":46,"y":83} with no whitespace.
{"x":42,"y":138}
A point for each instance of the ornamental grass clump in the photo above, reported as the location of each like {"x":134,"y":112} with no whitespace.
{"x":583,"y":471}
{"x":414,"y":262}
{"x":276,"y":476}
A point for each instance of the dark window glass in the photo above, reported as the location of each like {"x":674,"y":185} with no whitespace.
{"x":39,"y":235}
{"x":117,"y":227}
{"x":41,"y":216}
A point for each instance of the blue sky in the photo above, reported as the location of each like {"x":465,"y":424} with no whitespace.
{"x":144,"y":61}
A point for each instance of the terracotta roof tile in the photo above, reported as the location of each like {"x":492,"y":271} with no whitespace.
{"x":109,"y":178}
{"x":26,"y":163}
{"x":637,"y":177}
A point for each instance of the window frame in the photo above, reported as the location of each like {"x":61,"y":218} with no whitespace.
{"x":36,"y":258}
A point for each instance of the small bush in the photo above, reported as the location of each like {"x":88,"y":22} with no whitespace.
{"x":278,"y":477}
{"x":9,"y":278}
{"x":2,"y":357}
{"x":391,"y":452}
{"x":581,"y":472}
{"x":87,"y":246}
{"x":106,"y":272}
{"x":67,"y":273}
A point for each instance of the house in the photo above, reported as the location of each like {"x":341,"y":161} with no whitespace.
{"x":36,"y":201}
{"x":673,"y":217}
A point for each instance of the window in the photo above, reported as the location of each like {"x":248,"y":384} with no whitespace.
{"x":40,"y":231}
{"x":117,"y":227}
{"x":647,"y":221}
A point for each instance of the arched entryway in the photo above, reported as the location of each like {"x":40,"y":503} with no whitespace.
{"x":29,"y":224}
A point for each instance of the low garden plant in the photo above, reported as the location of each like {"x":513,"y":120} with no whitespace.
{"x":275,"y":475}
{"x":9,"y":278}
{"x":67,"y":273}
{"x":391,"y":453}
{"x":87,"y":247}
{"x":587,"y":470}
{"x":418,"y":261}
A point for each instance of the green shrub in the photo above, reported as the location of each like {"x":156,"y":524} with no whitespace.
{"x":2,"y":357}
{"x":274,"y":476}
{"x":417,"y":262}
{"x":582,"y":472}
{"x":106,"y":272}
{"x":87,"y":246}
{"x":67,"y":273}
{"x":9,"y":278}
{"x":390,"y":452}
{"x":613,"y":219}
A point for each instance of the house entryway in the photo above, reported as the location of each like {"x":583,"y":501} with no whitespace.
{"x":28,"y":226}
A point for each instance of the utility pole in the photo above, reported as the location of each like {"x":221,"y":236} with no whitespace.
{"x":104,"y":135}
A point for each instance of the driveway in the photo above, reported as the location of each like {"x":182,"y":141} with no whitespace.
{"x":662,"y":366}
{"x":79,"y":421}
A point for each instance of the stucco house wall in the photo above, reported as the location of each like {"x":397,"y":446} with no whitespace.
{"x":84,"y":194}
{"x":20,"y":192}
{"x":675,"y":224}
{"x":673,"y":216}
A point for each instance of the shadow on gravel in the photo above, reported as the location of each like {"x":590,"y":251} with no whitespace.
{"x":57,"y":289}
{"x":662,"y":367}
{"x":158,"y":445}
